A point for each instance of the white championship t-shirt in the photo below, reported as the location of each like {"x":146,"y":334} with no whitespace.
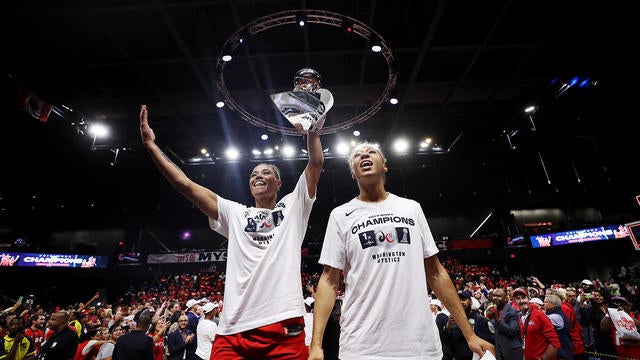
{"x":381,"y":248}
{"x":263,"y":283}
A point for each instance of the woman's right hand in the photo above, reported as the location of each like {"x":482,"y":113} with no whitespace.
{"x":146,"y":133}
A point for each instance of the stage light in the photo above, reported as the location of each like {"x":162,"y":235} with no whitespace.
{"x":268,"y":151}
{"x":220,"y":104}
{"x":232,"y":153}
{"x":226,"y":57}
{"x":530,"y":110}
{"x":356,"y":133}
{"x":342,"y":148}
{"x":203,"y":151}
{"x":393,"y":97}
{"x":376,"y":48}
{"x":256,"y":152}
{"x":347,"y":25}
{"x":98,"y":130}
{"x":401,"y":145}
{"x":264,"y":136}
{"x":301,"y":18}
{"x":288,"y":151}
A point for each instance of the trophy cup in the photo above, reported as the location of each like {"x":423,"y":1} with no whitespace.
{"x":306,"y":106}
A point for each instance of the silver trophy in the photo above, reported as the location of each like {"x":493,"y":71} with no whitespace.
{"x":306,"y":106}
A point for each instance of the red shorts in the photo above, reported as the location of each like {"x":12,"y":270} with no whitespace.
{"x":276,"y":341}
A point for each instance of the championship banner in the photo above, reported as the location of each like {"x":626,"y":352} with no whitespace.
{"x":579,"y":236}
{"x":191,"y":257}
{"x":52,"y":260}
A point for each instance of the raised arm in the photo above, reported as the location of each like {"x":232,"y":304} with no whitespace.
{"x":325,"y":298}
{"x":205,"y":199}
{"x":439,"y":280}
{"x":93,"y":298}
{"x":316,"y":160}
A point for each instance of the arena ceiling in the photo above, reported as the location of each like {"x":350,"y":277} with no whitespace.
{"x":463,"y":73}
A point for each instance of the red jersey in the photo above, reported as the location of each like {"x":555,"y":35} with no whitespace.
{"x":158,"y":348}
{"x":38,"y":338}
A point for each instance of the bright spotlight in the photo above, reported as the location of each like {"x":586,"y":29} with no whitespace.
{"x":264,"y":136}
{"x":529,"y":109}
{"x":232,"y":153}
{"x":226,"y":58}
{"x":288,"y":150}
{"x":98,"y":130}
{"x":393,"y":100}
{"x":268,"y":151}
{"x":256,"y":152}
{"x":301,"y":18}
{"x":220,"y":104}
{"x":401,"y":145}
{"x":342,"y":148}
{"x":203,"y":151}
{"x":356,"y":133}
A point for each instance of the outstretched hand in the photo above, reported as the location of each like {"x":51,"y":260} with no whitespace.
{"x":145,"y":131}
{"x":480,"y":346}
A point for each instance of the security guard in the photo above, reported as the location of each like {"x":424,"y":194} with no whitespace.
{"x":482,"y":326}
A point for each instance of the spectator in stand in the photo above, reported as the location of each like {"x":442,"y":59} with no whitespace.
{"x":206,"y":331}
{"x":510,"y":288}
{"x":106,"y":350}
{"x":192,"y":309}
{"x":539,"y":338}
{"x":586,"y":287}
{"x":90,"y":343}
{"x":157,"y":334}
{"x":582,"y":308}
{"x":441,"y":318}
{"x":560,"y":322}
{"x":93,"y":321}
{"x":483,"y":328}
{"x":574,"y":325}
{"x":15,"y":345}
{"x":135,"y":344}
{"x":537,"y":302}
{"x":106,"y":316}
{"x":36,"y":331}
{"x":76,"y":322}
{"x":625,"y":348}
{"x":271,"y":229}
{"x":508,"y":341}
{"x":181,"y":342}
{"x":603,"y":344}
{"x":63,"y":342}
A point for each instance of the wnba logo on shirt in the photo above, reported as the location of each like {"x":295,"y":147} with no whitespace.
{"x":371,"y":238}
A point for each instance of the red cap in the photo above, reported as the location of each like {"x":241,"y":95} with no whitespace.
{"x":521,"y":291}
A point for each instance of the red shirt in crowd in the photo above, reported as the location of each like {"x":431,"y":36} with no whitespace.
{"x":537,"y":333}
{"x":38,"y":337}
{"x":576,"y":329}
